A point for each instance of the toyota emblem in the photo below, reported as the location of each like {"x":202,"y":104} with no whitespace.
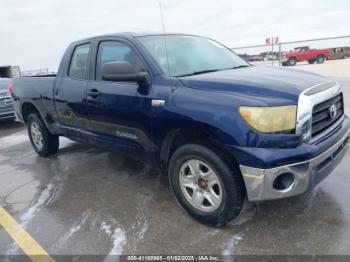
{"x":333,"y":111}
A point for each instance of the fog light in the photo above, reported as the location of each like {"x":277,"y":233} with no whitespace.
{"x":283,"y":182}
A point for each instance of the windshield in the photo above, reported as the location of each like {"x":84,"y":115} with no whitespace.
{"x":189,"y":55}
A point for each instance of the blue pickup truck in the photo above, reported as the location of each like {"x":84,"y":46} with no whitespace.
{"x":223,"y":131}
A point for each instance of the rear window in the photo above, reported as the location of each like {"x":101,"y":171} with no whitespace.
{"x":5,"y":72}
{"x":78,"y":64}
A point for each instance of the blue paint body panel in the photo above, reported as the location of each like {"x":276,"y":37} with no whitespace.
{"x":122,"y":117}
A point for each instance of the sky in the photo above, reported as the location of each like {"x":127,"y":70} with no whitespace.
{"x":34,"y":34}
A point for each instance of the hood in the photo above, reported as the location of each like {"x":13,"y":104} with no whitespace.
{"x":262,"y":81}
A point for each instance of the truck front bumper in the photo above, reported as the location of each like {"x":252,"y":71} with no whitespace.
{"x":283,"y":59}
{"x":6,"y":108}
{"x":293,"y":179}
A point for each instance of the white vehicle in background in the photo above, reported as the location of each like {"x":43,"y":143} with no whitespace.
{"x":6,"y":107}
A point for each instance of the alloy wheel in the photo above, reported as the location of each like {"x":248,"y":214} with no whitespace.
{"x":200,"y":185}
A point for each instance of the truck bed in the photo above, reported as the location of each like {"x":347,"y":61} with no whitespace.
{"x":35,"y":88}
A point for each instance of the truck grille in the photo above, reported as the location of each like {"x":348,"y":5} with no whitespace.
{"x":325,"y":114}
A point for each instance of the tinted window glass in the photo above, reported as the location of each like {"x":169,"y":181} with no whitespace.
{"x":78,"y":65}
{"x":116,"y":51}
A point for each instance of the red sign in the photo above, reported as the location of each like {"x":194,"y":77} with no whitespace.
{"x":272,"y":40}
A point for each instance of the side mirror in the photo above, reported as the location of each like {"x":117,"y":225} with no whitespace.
{"x":123,"y":71}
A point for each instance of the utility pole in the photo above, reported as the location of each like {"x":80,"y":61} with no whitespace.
{"x":273,"y":40}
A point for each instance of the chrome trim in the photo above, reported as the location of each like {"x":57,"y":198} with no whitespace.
{"x":5,"y":97}
{"x":329,"y":130}
{"x":333,"y":111}
{"x":259,"y":182}
{"x":305,"y":106}
{"x":126,"y":135}
{"x":157,"y":103}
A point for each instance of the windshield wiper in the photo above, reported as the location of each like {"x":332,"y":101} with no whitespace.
{"x":199,"y":72}
{"x":211,"y":70}
{"x":205,"y":71}
{"x":240,"y":66}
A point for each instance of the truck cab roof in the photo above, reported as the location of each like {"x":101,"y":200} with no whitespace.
{"x":129,"y":35}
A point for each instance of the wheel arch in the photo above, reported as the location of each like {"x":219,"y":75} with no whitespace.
{"x":181,"y":136}
{"x":28,"y":108}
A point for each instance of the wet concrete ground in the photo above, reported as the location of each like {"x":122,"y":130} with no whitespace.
{"x":86,"y":200}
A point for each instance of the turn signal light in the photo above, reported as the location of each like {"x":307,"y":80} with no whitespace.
{"x":11,"y":88}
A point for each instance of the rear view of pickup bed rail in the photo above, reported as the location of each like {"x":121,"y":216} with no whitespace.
{"x":221,"y":129}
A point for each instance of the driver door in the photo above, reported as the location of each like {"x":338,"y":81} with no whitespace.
{"x":119,"y":112}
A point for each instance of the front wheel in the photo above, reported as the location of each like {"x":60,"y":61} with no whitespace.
{"x":207,"y":187}
{"x":320,"y":59}
{"x":43,"y":142}
{"x":292,"y":61}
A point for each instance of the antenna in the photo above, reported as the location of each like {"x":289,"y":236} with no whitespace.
{"x":165,"y":45}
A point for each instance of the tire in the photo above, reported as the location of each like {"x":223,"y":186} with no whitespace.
{"x":312,"y":61}
{"x":292,"y":61}
{"x":229,"y":185}
{"x":320,"y":59}
{"x":43,"y":142}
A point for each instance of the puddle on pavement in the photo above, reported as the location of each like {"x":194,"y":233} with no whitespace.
{"x":87,"y":196}
{"x":14,"y":139}
{"x":18,"y":188}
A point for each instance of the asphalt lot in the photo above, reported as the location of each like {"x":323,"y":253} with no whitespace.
{"x":86,"y":200}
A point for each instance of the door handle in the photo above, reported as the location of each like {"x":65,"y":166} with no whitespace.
{"x":93,"y":93}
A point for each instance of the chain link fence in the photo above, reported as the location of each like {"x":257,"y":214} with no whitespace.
{"x":274,"y":54}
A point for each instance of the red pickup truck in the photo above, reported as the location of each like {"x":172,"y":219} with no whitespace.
{"x":304,"y":53}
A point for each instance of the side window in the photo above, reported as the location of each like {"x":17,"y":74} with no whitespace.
{"x":116,"y":51}
{"x":78,"y":64}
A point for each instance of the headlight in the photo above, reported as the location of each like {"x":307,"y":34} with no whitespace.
{"x":270,"y":119}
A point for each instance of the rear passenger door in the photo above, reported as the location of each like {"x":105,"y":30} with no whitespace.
{"x":120,"y":112}
{"x":70,"y":95}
